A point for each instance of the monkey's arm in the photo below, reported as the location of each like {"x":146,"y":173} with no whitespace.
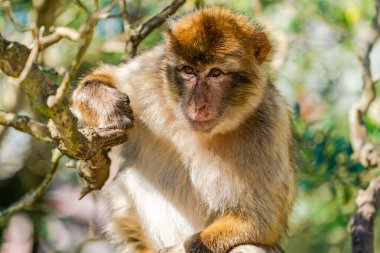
{"x":98,"y":103}
{"x":226,"y":233}
{"x":101,"y":100}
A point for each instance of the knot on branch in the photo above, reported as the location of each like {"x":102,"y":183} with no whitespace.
{"x":93,"y":164}
{"x":368,"y":155}
{"x":94,"y":171}
{"x":91,"y":140}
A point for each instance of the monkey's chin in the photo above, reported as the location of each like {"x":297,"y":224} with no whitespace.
{"x":203,"y":126}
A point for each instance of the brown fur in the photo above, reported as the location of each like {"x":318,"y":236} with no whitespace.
{"x":133,"y":235}
{"x":214,"y":152}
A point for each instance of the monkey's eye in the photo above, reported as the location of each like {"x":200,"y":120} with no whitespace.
{"x":215,"y":72}
{"x":188,"y":70}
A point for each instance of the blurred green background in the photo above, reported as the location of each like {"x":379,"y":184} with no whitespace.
{"x":315,"y":65}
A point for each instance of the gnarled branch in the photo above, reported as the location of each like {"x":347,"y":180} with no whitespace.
{"x":367,"y":153}
{"x":27,"y":125}
{"x":362,"y":224}
{"x":364,"y":150}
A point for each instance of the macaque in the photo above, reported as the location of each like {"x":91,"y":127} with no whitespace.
{"x":209,"y":165}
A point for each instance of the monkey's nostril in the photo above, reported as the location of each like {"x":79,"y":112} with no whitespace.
{"x":203,"y":108}
{"x":202,"y":113}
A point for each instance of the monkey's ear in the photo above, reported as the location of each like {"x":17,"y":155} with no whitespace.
{"x":262,"y":46}
{"x":167,"y":30}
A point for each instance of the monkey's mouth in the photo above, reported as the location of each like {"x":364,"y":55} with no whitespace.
{"x":203,"y":125}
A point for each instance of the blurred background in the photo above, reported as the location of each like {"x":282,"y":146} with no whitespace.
{"x":315,"y":65}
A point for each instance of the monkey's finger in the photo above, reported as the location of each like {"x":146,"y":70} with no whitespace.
{"x":85,"y":190}
{"x":179,"y":248}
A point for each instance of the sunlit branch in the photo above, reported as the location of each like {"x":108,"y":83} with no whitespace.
{"x":362,"y":224}
{"x":26,"y":125}
{"x":141,"y":32}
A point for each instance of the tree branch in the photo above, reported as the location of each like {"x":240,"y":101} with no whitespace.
{"x":81,"y":145}
{"x":28,"y":65}
{"x":31,"y":197}
{"x":51,"y":100}
{"x":57,"y":33}
{"x":364,"y":150}
{"x":141,"y":32}
{"x":7,"y":6}
{"x":362,"y":224}
{"x":38,"y":88}
{"x":26,"y":125}
{"x":82,"y":6}
{"x":86,"y":33}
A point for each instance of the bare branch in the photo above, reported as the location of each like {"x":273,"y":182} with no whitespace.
{"x":28,"y":65}
{"x":104,"y":12}
{"x":81,"y":145}
{"x":86,"y":33}
{"x":160,"y":18}
{"x":362,"y":224}
{"x":31,"y":197}
{"x":83,"y":7}
{"x":9,"y":12}
{"x":57,"y":33}
{"x":362,"y":230}
{"x":56,"y":99}
{"x":13,"y":57}
{"x":145,"y":29}
{"x":364,"y":150}
{"x":26,"y":125}
{"x":124,"y":9}
{"x":96,"y":2}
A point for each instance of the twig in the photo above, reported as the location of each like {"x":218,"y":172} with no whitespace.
{"x":57,"y":33}
{"x":38,"y":87}
{"x":26,"y":125}
{"x":142,"y":31}
{"x":83,"y":7}
{"x":34,"y":52}
{"x":124,"y":10}
{"x":28,"y":65}
{"x":56,"y":99}
{"x":362,"y":224}
{"x":9,"y":12}
{"x":96,"y":2}
{"x":86,"y":33}
{"x":31,"y":197}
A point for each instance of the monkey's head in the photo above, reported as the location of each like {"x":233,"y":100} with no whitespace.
{"x":215,"y":67}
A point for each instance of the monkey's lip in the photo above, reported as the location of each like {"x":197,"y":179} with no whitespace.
{"x":203,"y":125}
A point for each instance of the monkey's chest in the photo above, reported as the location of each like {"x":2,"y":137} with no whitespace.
{"x":167,"y":214}
{"x":175,"y":193}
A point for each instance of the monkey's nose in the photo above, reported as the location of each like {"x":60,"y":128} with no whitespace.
{"x":200,"y":113}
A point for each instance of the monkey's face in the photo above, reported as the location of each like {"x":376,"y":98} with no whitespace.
{"x":214,"y":94}
{"x":203,"y":90}
{"x":214,"y":67}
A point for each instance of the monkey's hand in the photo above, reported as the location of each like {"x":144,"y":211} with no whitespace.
{"x":245,"y":248}
{"x":106,"y":116}
{"x":98,"y":105}
{"x":226,"y":233}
